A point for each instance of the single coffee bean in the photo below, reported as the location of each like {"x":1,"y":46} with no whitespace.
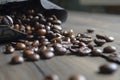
{"x":96,"y":52}
{"x":109,"y":49}
{"x":85,"y":35}
{"x":85,"y":40}
{"x":91,"y":30}
{"x":108,"y":68}
{"x":99,"y":42}
{"x":41,"y":32}
{"x":70,"y":33}
{"x":17,"y":59}
{"x":52,"y":77}
{"x":82,"y":44}
{"x":33,"y":57}
{"x":56,"y":22}
{"x":26,"y":52}
{"x":9,"y":49}
{"x":109,"y":39}
{"x":83,"y":51}
{"x":35,"y":43}
{"x":90,"y":46}
{"x":48,"y":54}
{"x":77,"y":77}
{"x":99,"y":36}
{"x":74,"y":48}
{"x":60,"y":50}
{"x":20,"y":46}
{"x":58,"y":27}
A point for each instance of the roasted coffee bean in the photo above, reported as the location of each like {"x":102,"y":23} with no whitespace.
{"x":52,"y":77}
{"x":85,"y":35}
{"x":108,"y":68}
{"x":35,"y":43}
{"x":17,"y":59}
{"x":60,"y":50}
{"x":91,"y":30}
{"x":56,"y":22}
{"x":58,"y":27}
{"x":9,"y":49}
{"x":85,"y":40}
{"x":74,"y":48}
{"x":96,"y":52}
{"x":57,"y":45}
{"x":28,"y":51}
{"x":82,"y":44}
{"x":99,"y":42}
{"x":109,"y":39}
{"x":20,"y":46}
{"x":99,"y":36}
{"x":48,"y":54}
{"x":33,"y":57}
{"x":83,"y":51}
{"x":41,"y":32}
{"x":90,"y":46}
{"x":109,"y":49}
{"x":77,"y":77}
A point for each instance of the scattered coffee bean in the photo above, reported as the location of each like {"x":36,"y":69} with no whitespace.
{"x":99,"y":42}
{"x":20,"y":46}
{"x":83,"y":51}
{"x":99,"y":36}
{"x":96,"y":52}
{"x":91,"y":30}
{"x":48,"y":54}
{"x":17,"y":59}
{"x":109,"y":39}
{"x":77,"y":77}
{"x":26,"y":52}
{"x":108,"y":68}
{"x":51,"y":77}
{"x":109,"y":49}
{"x":9,"y":49}
{"x":33,"y":57}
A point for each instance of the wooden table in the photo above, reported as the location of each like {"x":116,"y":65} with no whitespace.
{"x":66,"y":65}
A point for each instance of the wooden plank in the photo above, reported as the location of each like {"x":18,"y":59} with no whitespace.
{"x":25,"y":71}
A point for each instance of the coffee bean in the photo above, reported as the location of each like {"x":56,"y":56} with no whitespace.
{"x":48,"y":54}
{"x":28,"y":51}
{"x":108,"y":68}
{"x":96,"y":52}
{"x":82,"y":44}
{"x":99,"y":36}
{"x":83,"y":51}
{"x":35,"y":43}
{"x":77,"y":77}
{"x":109,"y":49}
{"x":52,"y":77}
{"x":33,"y":57}
{"x":91,"y":30}
{"x":85,"y":40}
{"x":9,"y":49}
{"x":99,"y":42}
{"x":20,"y":46}
{"x":41,"y":32}
{"x":109,"y":39}
{"x":60,"y":51}
{"x":17,"y":59}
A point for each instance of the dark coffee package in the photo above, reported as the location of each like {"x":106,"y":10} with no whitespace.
{"x":45,"y":7}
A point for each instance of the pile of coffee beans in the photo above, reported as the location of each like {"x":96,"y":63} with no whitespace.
{"x":46,"y":39}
